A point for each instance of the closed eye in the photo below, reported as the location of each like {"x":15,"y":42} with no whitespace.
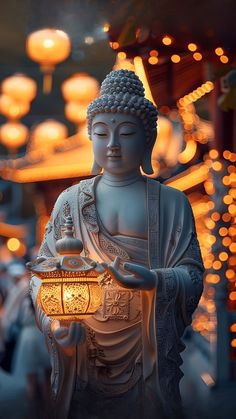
{"x":101,"y":134}
{"x":127,"y":133}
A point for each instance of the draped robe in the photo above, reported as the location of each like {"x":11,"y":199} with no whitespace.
{"x":172,"y":254}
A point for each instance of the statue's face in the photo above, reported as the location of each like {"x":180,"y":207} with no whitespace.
{"x":118,"y":142}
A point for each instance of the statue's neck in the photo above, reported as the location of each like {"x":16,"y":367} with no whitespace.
{"x":122,"y":179}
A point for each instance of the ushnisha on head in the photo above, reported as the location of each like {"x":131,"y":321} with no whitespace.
{"x":122,"y":92}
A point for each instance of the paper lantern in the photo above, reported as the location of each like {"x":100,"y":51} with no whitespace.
{"x":13,"y":135}
{"x":48,"y":47}
{"x":80,"y":88}
{"x":12,"y":109}
{"x":75,"y":112}
{"x":70,"y":287}
{"x":19,"y":87}
{"x":47,"y":135}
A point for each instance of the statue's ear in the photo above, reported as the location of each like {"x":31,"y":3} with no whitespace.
{"x":147,"y":163}
{"x":96,"y":169}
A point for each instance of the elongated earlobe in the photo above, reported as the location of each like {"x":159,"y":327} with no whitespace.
{"x":96,"y":169}
{"x":147,"y":163}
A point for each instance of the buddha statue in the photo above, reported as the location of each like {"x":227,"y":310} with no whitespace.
{"x":124,"y":361}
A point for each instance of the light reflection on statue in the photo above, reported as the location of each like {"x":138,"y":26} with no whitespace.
{"x":127,"y":354}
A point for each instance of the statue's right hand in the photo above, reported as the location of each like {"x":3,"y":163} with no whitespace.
{"x":68,"y":337}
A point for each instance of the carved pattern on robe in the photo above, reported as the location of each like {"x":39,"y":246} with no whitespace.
{"x":110,"y":247}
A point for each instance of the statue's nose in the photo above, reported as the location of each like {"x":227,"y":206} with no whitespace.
{"x":114,"y":143}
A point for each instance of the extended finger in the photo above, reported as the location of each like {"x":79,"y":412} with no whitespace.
{"x":135,"y":269}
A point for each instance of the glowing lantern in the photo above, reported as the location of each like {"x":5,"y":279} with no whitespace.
{"x":20,"y":87}
{"x":75,"y":112}
{"x":48,"y":47}
{"x":12,"y":109}
{"x":48,"y":135}
{"x":80,"y":88}
{"x":70,"y":287}
{"x":13,"y":135}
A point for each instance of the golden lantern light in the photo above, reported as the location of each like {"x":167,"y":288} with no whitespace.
{"x":12,"y":109}
{"x":47,"y":135}
{"x":48,"y":47}
{"x":70,"y":287}
{"x":13,"y":135}
{"x":80,"y":88}
{"x":75,"y":112}
{"x":19,"y":87}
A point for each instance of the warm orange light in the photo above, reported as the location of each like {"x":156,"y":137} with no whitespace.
{"x":47,"y":135}
{"x":12,"y":109}
{"x":188,"y":153}
{"x":197,"y":56}
{"x":106,"y":27}
{"x":80,"y":87}
{"x":233,"y":328}
{"x":224,"y":59}
{"x":153,"y":60}
{"x":175,"y":58}
{"x":114,"y":45}
{"x":226,"y":180}
{"x":232,"y":296}
{"x":217,"y":166}
{"x":13,"y":135}
{"x":48,"y":47}
{"x":75,"y":112}
{"x":232,"y":231}
{"x":166,"y":40}
{"x":20,"y":88}
{"x":215,"y":216}
{"x":223,"y":231}
{"x":153,"y":53}
{"x":121,"y":55}
{"x":232,"y":209}
{"x":226,"y":217}
{"x":227,"y":199}
{"x":232,"y":247}
{"x":233,"y":343}
{"x":13,"y":244}
{"x":219,"y":51}
{"x":217,"y":265}
{"x":192,"y":47}
{"x":226,"y":154}
{"x":212,"y":278}
{"x":223,"y":256}
{"x":229,"y":274}
{"x":226,"y":241}
{"x":213,"y":154}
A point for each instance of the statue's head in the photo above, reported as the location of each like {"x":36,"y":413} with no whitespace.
{"x":122,"y":108}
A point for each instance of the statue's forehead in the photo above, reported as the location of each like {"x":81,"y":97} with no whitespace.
{"x":113,"y":118}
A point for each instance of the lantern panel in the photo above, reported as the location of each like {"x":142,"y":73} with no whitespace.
{"x":95,"y":298}
{"x":49,"y":298}
{"x":76,"y":298}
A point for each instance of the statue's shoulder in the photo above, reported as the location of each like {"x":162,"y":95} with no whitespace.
{"x":174,"y":197}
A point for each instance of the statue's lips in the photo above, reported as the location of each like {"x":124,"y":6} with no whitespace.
{"x":114,"y":156}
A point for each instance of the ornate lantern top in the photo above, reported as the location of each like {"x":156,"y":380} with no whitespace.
{"x":68,"y":259}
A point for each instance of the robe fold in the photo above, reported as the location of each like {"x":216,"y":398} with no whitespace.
{"x":172,"y":254}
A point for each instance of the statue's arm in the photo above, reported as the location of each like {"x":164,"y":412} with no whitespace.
{"x":184,"y":282}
